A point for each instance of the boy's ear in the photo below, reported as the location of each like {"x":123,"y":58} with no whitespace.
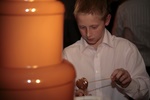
{"x":107,"y":20}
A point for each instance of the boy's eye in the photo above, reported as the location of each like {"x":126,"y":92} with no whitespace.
{"x":94,"y":27}
{"x":81,"y":27}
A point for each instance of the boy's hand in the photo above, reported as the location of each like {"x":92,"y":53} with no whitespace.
{"x":79,"y":93}
{"x":121,"y":77}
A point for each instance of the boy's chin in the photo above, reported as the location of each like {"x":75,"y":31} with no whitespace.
{"x":91,"y":43}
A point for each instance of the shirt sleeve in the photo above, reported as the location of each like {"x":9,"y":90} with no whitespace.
{"x":64,"y":54}
{"x":139,"y":88}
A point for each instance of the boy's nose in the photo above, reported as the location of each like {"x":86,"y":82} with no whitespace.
{"x":88,"y":33}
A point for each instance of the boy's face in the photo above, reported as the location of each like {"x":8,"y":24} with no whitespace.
{"x":91,"y":28}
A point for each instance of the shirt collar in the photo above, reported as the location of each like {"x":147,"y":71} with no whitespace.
{"x":107,"y":40}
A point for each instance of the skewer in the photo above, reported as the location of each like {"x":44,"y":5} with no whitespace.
{"x":82,"y":84}
{"x":99,"y":88}
{"x":99,"y":80}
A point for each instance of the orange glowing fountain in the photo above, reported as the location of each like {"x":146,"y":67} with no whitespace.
{"x":31,"y":42}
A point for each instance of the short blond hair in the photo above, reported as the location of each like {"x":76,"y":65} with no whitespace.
{"x":92,"y":7}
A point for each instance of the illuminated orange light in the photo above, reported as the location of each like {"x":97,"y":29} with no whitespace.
{"x":30,"y":10}
{"x":38,"y":81}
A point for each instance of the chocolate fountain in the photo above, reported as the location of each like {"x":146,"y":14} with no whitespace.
{"x":31,"y":43}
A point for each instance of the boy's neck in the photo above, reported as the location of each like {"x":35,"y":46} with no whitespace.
{"x":95,"y":46}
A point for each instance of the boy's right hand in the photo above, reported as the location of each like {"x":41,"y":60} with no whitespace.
{"x":79,"y":93}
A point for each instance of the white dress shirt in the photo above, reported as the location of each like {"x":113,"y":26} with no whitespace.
{"x":112,"y":53}
{"x":132,"y":21}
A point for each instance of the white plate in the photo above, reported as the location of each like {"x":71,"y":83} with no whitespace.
{"x":87,"y":98}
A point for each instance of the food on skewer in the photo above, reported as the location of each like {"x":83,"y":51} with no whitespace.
{"x":82,"y":85}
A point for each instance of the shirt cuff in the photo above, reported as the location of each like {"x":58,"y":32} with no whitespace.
{"x":132,"y":88}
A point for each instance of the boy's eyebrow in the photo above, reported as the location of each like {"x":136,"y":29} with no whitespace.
{"x":80,"y":25}
{"x":95,"y":25}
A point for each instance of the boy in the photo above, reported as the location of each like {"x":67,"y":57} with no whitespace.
{"x":99,"y":55}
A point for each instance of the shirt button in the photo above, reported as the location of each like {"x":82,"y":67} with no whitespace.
{"x":96,"y":71}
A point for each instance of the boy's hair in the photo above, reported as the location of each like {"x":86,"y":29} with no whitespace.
{"x":92,"y":7}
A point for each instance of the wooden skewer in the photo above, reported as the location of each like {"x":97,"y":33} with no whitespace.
{"x":84,"y":84}
{"x":98,"y":80}
{"x":99,"y":88}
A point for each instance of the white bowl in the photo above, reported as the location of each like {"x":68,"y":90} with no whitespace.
{"x":87,"y":98}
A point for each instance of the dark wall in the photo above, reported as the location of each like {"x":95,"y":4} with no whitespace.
{"x":71,"y":32}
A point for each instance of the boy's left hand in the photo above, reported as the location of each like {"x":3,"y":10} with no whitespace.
{"x":121,"y":77}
